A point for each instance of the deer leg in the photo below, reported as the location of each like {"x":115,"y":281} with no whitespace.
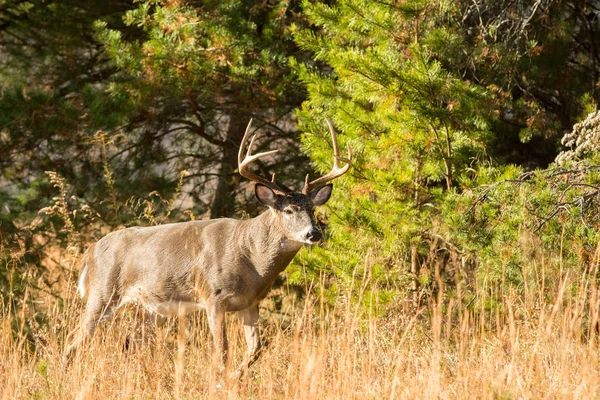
{"x":216,"y":323}
{"x":95,"y":312}
{"x":251,"y":332}
{"x":146,"y":323}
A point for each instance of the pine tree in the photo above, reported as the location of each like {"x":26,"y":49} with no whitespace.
{"x":438,"y":98}
{"x":49,"y":65}
{"x":197,"y":77}
{"x":415,"y":126}
{"x":171,"y":84}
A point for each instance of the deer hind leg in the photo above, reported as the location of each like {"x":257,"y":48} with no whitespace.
{"x":216,"y":323}
{"x":251,"y":332}
{"x":145,"y":324}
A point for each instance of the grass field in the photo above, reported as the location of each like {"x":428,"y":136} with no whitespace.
{"x":543,"y":347}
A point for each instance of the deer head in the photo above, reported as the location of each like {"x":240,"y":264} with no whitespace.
{"x":294,"y":211}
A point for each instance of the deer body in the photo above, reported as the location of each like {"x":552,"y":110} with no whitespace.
{"x":220,"y":265}
{"x":197,"y":263}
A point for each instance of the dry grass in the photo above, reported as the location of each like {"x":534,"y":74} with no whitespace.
{"x":545,"y":348}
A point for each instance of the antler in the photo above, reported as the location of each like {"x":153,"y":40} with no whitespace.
{"x":336,"y":171}
{"x":243,"y":162}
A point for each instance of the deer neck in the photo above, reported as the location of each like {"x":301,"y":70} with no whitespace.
{"x":267,"y":247}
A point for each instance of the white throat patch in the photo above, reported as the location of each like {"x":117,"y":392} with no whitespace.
{"x":289,"y":245}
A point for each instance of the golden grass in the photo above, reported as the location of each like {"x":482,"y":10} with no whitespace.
{"x":539,"y":343}
{"x":525,"y":351}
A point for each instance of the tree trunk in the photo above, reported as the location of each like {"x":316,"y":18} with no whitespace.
{"x":448,"y":161}
{"x":414,"y":248}
{"x":223,"y":204}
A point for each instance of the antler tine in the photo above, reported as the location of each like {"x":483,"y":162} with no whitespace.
{"x":336,"y":171}
{"x":336,"y":149}
{"x":244,"y":139}
{"x":249,"y":158}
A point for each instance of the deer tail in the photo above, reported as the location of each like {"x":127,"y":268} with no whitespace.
{"x":84,"y":279}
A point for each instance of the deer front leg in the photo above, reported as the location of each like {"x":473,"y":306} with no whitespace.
{"x":216,"y":323}
{"x":251,"y":332}
{"x":96,"y":311}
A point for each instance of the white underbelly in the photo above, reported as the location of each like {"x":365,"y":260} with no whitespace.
{"x":163,"y":308}
{"x":174,"y":308}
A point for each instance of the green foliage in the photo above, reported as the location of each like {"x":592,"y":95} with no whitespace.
{"x":527,"y":230}
{"x":414,"y":126}
{"x":194,"y":77}
{"x":425,"y":106}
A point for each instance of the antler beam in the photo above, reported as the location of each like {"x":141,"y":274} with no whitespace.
{"x":249,"y":158}
{"x":336,"y":171}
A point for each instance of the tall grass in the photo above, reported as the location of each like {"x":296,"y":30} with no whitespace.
{"x":540,"y":345}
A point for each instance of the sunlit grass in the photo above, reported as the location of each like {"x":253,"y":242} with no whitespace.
{"x":514,"y":350}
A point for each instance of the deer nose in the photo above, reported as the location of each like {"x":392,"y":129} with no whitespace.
{"x":313,"y":236}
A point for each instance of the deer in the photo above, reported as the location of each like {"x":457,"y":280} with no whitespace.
{"x":219,"y":265}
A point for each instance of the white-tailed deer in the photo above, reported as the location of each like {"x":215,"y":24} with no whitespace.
{"x":221,"y":265}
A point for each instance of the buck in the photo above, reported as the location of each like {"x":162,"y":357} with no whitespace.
{"x":220,"y":265}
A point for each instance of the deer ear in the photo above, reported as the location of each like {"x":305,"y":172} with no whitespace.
{"x":321,"y":195}
{"x":265,"y":195}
